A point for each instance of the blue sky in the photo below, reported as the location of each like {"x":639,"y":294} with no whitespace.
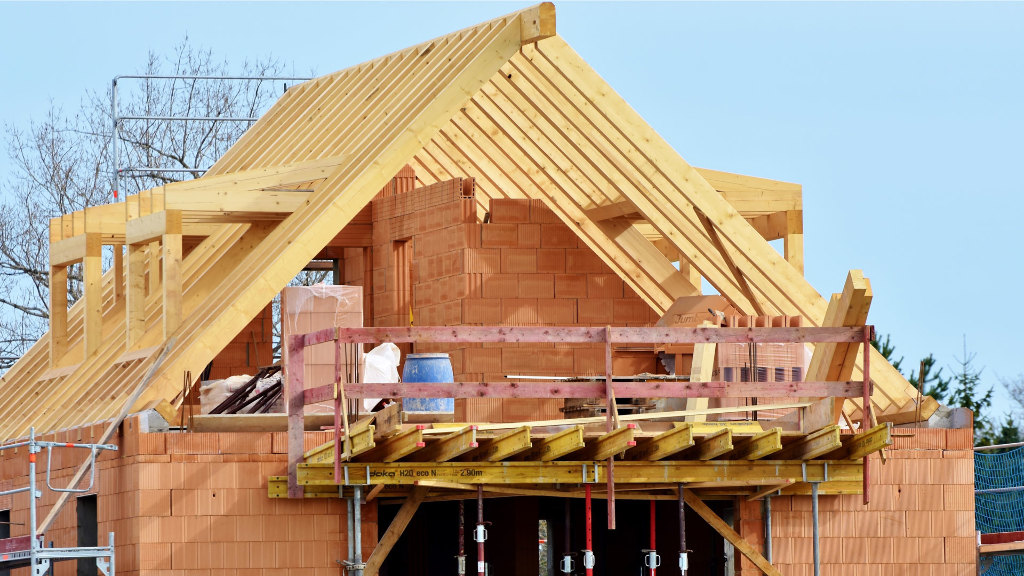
{"x":903,"y":122}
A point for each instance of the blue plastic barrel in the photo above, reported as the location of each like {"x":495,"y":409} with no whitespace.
{"x":428,"y":368}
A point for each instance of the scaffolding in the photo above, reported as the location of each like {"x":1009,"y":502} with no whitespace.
{"x":30,"y":550}
{"x":117,"y":119}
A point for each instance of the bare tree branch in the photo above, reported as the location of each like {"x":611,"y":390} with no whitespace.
{"x":62,"y":163}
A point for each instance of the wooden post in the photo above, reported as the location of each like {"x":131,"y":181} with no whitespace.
{"x":702,"y":370}
{"x":793,"y":247}
{"x":153,"y":278}
{"x":611,"y":422}
{"x":58,"y":313}
{"x":172,"y":287}
{"x":866,"y":409}
{"x":118,"y":272}
{"x":92,"y":282}
{"x":136,"y":297}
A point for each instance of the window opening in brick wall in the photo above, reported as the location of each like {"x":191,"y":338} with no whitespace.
{"x":88,"y":532}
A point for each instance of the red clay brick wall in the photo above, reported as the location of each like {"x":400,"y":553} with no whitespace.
{"x":523,"y":267}
{"x":119,"y":502}
{"x":193,"y":504}
{"x":920,"y":520}
{"x":250,"y":348}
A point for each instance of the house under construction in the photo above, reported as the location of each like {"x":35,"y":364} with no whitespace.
{"x":484,"y":195}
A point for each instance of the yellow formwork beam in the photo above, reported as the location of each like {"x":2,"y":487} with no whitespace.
{"x":756,"y":472}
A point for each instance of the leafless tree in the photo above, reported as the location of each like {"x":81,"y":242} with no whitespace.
{"x":62,"y":163}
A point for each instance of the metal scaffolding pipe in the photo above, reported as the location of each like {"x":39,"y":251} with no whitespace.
{"x":357,"y":521}
{"x":481,"y":532}
{"x":115,"y":138}
{"x":588,"y":553}
{"x":196,"y":118}
{"x":188,"y":77}
{"x":814,"y":514}
{"x":158,"y":169}
{"x":462,"y":539}
{"x":566,"y":565}
{"x":348,"y":517}
{"x":683,"y":560}
{"x":32,"y":495}
{"x":767,"y":511}
{"x":652,"y":560}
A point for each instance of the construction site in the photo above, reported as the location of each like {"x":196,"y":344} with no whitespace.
{"x":514,"y":371}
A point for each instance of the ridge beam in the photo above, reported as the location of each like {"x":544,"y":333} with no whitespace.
{"x":537,"y":23}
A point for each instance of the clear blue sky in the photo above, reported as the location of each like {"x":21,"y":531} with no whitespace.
{"x":903,"y":122}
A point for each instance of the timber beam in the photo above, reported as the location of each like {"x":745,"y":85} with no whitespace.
{"x":663,"y":445}
{"x":150,"y":227}
{"x":758,"y":446}
{"x":556,"y":445}
{"x":156,"y":238}
{"x":502,"y":446}
{"x":394,"y":531}
{"x":68,"y":251}
{"x":768,"y":491}
{"x":533,"y":389}
{"x":397,"y":446}
{"x":713,"y":445}
{"x":865,"y":443}
{"x":451,"y":446}
{"x":723,"y":528}
{"x":813,"y":445}
{"x":608,"y":445}
{"x":746,"y":473}
{"x":277,"y":487}
{"x":362,"y":441}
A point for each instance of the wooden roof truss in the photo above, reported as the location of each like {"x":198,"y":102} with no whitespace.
{"x":507,"y":102}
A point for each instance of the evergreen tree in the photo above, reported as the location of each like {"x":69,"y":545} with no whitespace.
{"x":1008,"y":433}
{"x":887,"y":350}
{"x":967,"y":393}
{"x":934,"y":384}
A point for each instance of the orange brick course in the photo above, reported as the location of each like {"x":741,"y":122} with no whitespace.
{"x":920,"y":519}
{"x":199,"y":508}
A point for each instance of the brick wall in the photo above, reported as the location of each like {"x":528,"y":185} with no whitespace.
{"x":920,"y":520}
{"x":523,"y":267}
{"x":251,"y":348}
{"x":192,"y":504}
